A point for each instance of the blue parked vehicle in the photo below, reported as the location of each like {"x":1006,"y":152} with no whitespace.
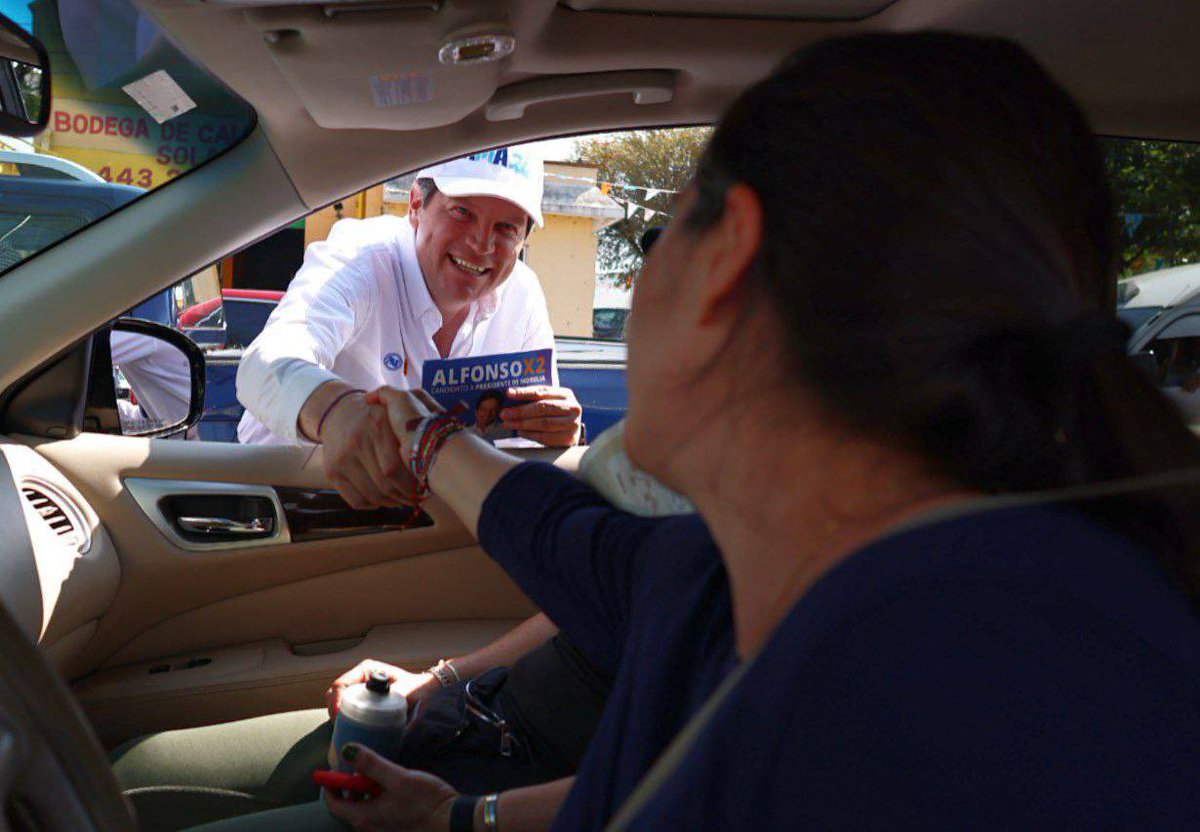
{"x":47,"y":199}
{"x":595,"y":370}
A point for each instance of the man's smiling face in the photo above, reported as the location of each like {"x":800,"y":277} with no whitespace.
{"x":466,"y":245}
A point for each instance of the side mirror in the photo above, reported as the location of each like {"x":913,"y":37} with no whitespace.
{"x":158,"y":378}
{"x":24,"y":82}
{"x":134,"y":377}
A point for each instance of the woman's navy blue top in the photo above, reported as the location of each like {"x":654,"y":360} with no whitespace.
{"x":1017,"y":668}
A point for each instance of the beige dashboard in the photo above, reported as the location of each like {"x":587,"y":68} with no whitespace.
{"x":61,"y":571}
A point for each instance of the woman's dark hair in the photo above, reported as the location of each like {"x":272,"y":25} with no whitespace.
{"x":939,"y":246}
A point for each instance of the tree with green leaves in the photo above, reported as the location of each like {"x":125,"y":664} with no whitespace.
{"x":633,"y":161}
{"x":1156,"y":186}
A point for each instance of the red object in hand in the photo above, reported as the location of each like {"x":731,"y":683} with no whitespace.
{"x":350,"y":782}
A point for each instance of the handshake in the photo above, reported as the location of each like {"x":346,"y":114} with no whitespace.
{"x":365,"y":434}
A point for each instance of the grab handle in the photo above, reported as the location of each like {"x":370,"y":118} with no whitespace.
{"x":647,"y":86}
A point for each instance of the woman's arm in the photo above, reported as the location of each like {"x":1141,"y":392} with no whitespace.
{"x":505,"y":650}
{"x":466,"y":471}
{"x":531,"y":809}
{"x":576,"y":556}
{"x":416,"y":801}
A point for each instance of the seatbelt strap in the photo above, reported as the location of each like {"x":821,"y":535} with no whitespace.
{"x":671,"y":759}
{"x":675,"y":753}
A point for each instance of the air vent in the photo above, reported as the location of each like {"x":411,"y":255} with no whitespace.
{"x":58,"y":514}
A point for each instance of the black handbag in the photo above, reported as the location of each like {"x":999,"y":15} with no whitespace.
{"x":461,"y":719}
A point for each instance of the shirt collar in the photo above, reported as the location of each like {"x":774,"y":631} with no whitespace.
{"x":489,"y":304}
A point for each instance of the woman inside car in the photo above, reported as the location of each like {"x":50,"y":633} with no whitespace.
{"x":879,"y":316}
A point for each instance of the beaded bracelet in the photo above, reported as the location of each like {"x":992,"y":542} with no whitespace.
{"x":445,"y":673}
{"x":427,"y":439}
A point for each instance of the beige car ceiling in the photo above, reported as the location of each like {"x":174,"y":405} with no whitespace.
{"x":306,"y":68}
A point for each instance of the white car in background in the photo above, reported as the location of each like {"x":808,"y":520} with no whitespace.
{"x":1143,"y":296}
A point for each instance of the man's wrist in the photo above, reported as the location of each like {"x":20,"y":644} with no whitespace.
{"x":334,"y":407}
{"x":321,"y":404}
{"x":325,"y":406}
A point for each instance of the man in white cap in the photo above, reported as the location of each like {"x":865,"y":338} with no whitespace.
{"x":381,"y":296}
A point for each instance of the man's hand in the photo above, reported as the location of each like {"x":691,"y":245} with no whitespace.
{"x":550,"y":415}
{"x":409,"y":800}
{"x":400,"y":407}
{"x":415,"y":686}
{"x":362,"y":457}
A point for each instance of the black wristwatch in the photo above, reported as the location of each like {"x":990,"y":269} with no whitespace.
{"x":462,"y":813}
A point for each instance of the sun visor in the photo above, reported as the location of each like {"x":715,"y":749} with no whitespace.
{"x":362,"y":66}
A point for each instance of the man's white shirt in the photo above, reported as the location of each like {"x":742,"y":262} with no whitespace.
{"x":359,"y":311}
{"x":159,"y":374}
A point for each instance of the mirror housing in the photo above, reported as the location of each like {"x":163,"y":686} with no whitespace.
{"x":24,"y":82}
{"x":76,"y":390}
{"x":155,"y":379}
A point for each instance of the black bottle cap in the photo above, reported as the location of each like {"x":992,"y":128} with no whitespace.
{"x":379,"y":683}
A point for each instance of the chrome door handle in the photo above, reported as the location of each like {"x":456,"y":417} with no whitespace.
{"x":207,"y":509}
{"x":226,"y":525}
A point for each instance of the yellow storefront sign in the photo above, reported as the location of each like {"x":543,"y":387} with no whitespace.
{"x":125,"y":145}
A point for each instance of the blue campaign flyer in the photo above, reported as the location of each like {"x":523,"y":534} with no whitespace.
{"x":476,"y":386}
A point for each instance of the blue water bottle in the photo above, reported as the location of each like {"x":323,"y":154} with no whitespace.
{"x":370,"y":714}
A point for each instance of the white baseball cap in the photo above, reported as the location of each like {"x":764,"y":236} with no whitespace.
{"x":507,"y":173}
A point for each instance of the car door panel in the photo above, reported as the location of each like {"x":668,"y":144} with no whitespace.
{"x":454,"y":585}
{"x":217,"y":685}
{"x":434,"y":584}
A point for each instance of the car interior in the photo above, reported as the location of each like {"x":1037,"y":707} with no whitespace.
{"x":143,"y":623}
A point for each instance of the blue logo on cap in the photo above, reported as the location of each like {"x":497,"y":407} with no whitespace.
{"x":515,"y":162}
{"x":393,"y":361}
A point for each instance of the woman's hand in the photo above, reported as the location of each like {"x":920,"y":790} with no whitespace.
{"x":404,"y":406}
{"x":413,"y":685}
{"x":410,"y":800}
{"x":468,"y":467}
